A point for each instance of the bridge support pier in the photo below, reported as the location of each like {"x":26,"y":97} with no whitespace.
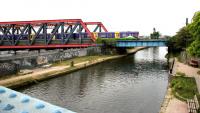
{"x":121,"y":50}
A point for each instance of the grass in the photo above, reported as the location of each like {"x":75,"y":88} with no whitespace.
{"x":180,"y":74}
{"x":183,"y":87}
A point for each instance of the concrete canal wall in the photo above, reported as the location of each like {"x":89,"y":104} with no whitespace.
{"x":10,"y":63}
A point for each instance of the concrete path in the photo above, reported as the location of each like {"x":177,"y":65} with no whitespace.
{"x":188,"y":70}
{"x":183,"y":68}
{"x":176,"y":106}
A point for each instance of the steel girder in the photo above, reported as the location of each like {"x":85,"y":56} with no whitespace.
{"x":99,"y":26}
{"x":13,"y":33}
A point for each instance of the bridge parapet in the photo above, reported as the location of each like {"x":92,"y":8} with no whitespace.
{"x":15,"y":102}
{"x":141,"y":43}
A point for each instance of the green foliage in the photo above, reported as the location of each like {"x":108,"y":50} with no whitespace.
{"x":106,"y":41}
{"x":195,"y":25}
{"x":181,"y":40}
{"x":180,"y":74}
{"x":194,"y":49}
{"x":155,"y":35}
{"x":187,"y":37}
{"x":183,"y":87}
{"x":111,"y":41}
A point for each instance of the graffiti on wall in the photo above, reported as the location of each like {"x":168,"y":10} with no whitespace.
{"x":45,"y":58}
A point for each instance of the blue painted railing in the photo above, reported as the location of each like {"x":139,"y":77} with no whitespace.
{"x":141,"y":43}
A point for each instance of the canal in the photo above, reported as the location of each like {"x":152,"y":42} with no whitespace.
{"x":133,"y":84}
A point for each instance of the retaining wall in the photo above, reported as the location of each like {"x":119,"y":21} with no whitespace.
{"x":11,"y":62}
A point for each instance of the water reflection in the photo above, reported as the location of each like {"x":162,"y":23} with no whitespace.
{"x":133,"y":84}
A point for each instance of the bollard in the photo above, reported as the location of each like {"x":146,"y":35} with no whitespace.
{"x":72,"y":64}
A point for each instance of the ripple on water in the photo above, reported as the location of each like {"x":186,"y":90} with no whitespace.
{"x":133,"y":84}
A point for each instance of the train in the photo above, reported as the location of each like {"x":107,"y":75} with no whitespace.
{"x":117,"y":34}
{"x":78,"y":35}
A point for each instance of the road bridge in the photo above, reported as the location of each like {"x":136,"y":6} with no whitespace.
{"x":141,"y":43}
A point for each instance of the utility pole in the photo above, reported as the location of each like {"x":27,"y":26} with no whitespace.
{"x":186,"y":22}
{"x":154,"y":29}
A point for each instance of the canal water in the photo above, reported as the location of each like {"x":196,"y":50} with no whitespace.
{"x":133,"y":84}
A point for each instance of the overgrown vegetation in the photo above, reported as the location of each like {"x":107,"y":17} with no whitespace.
{"x":155,"y":34}
{"x":105,"y":40}
{"x":198,"y":98}
{"x":180,"y":74}
{"x":111,"y":41}
{"x":183,"y":87}
{"x":181,"y":40}
{"x":187,"y":38}
{"x":194,"y":49}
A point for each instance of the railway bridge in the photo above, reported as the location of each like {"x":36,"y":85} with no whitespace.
{"x":38,"y":34}
{"x":63,"y":33}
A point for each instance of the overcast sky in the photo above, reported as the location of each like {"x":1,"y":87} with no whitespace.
{"x":167,"y":16}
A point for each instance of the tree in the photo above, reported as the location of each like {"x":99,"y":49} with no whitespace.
{"x":194,"y":27}
{"x":194,"y":49}
{"x":188,"y":37}
{"x":181,"y":40}
{"x":155,"y":34}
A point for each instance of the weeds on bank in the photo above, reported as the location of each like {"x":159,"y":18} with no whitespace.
{"x":198,"y":97}
{"x":183,"y":87}
{"x":180,"y":74}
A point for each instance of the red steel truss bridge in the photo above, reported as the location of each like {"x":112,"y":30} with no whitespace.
{"x":47,"y":34}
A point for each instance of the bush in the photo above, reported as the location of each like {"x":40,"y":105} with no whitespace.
{"x":106,"y":41}
{"x":180,"y":74}
{"x":112,"y":41}
{"x":183,"y":87}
